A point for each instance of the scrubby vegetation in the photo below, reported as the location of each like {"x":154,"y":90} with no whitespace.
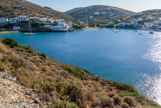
{"x":65,"y":86}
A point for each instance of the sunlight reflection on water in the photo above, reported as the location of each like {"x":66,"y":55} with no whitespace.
{"x":152,"y":84}
{"x":151,"y":87}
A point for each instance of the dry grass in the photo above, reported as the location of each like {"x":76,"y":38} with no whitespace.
{"x":3,"y":48}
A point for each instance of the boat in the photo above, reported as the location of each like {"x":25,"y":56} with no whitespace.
{"x":140,"y":34}
{"x":30,"y":31}
{"x":151,"y":32}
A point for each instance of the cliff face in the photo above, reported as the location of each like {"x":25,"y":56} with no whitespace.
{"x":41,"y":81}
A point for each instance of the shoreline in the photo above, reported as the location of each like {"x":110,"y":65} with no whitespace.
{"x":8,"y":32}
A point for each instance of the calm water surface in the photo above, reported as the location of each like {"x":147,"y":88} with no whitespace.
{"x":126,"y":56}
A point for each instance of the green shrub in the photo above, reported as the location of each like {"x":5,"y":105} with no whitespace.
{"x":117,"y":100}
{"x":43,"y":55}
{"x":63,"y":104}
{"x":112,"y":94}
{"x":10,"y":42}
{"x":77,"y":95}
{"x":2,"y":29}
{"x":129,"y":100}
{"x":126,"y":87}
{"x":70,"y":70}
{"x":107,"y":102}
{"x":124,"y":105}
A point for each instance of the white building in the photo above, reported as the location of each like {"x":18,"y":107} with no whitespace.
{"x":103,"y":13}
{"x":59,"y":28}
{"x":124,"y":24}
{"x":42,"y":20}
{"x":3,"y":20}
{"x":135,"y":22}
{"x":22,"y":18}
{"x":148,"y":25}
{"x":157,"y":21}
{"x":96,"y":13}
{"x":34,"y":18}
{"x":16,"y":28}
{"x":91,"y":17}
{"x":149,"y":18}
{"x":13,"y":20}
{"x":49,"y":21}
{"x":70,"y":23}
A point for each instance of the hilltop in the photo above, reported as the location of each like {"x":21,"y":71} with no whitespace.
{"x":14,"y":8}
{"x":144,"y":14}
{"x":105,"y":13}
{"x":50,"y":83}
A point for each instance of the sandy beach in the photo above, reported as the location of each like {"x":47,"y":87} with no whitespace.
{"x":6,"y":32}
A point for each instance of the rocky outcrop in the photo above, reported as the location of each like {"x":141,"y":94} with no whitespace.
{"x":13,"y":95}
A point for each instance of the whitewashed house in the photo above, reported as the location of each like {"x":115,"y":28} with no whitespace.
{"x":13,"y":20}
{"x":16,"y":28}
{"x":59,"y":28}
{"x":149,"y":18}
{"x":96,"y":13}
{"x":103,"y":13}
{"x":22,"y":18}
{"x":135,"y":22}
{"x":124,"y":24}
{"x":4,"y":20}
{"x":60,"y":21}
{"x":34,"y":18}
{"x":91,"y":17}
{"x":70,"y":23}
{"x":108,"y":9}
{"x":148,"y":25}
{"x":49,"y":21}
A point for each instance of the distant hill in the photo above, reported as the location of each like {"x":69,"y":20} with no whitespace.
{"x":99,"y":12}
{"x":147,"y":13}
{"x":13,"y":8}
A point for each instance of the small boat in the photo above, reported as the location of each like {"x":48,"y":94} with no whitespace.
{"x":140,"y":34}
{"x":136,"y":31}
{"x":151,"y":32}
{"x":30,"y":31}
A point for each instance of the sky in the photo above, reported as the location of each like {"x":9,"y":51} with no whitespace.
{"x":133,"y":5}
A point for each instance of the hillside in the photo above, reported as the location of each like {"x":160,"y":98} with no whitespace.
{"x":52,"y":84}
{"x":105,"y":12}
{"x":144,"y":14}
{"x":13,"y":8}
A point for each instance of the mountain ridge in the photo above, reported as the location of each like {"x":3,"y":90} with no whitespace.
{"x":146,"y":13}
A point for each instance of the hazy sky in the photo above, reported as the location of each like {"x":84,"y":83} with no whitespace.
{"x":133,"y":5}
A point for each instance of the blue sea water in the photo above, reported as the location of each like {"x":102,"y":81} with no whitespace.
{"x":125,"y":57}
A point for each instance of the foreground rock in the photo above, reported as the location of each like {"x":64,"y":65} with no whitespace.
{"x":13,"y":95}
